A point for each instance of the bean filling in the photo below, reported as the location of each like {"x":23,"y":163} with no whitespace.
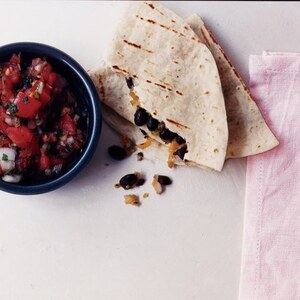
{"x":152,"y":123}
{"x":129,"y":82}
{"x":142,"y":117}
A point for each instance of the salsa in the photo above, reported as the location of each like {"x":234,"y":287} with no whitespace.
{"x":42,"y":124}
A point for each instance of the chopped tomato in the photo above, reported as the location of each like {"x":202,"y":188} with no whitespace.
{"x":4,"y":141}
{"x":3,"y":126}
{"x":31,"y":149}
{"x":21,"y":136}
{"x":44,"y":97}
{"x":55,"y":161}
{"x":35,"y":108}
{"x":47,"y":69}
{"x":22,"y":163}
{"x":15,"y":59}
{"x":52,"y":78}
{"x":27,"y":106}
{"x":67,"y":125}
{"x":44,"y":160}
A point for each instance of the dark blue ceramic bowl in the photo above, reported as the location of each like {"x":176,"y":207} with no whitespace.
{"x":83,"y":88}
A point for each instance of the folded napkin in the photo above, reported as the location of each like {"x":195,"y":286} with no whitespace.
{"x":271,"y":246}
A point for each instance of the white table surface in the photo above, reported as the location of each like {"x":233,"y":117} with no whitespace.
{"x":81,"y":241}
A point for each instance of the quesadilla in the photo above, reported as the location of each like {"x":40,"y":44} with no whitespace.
{"x":176,"y":82}
{"x":248,"y":132}
{"x":113,"y":85}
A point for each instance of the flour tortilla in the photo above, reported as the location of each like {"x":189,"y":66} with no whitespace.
{"x":176,"y":78}
{"x":112,"y":85}
{"x":248,"y":132}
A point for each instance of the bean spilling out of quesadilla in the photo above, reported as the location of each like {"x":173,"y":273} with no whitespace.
{"x":160,"y":86}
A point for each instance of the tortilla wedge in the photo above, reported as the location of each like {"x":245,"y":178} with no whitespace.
{"x":176,"y":80}
{"x":248,"y":132}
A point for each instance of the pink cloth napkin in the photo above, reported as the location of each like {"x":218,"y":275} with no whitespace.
{"x":271,"y":246}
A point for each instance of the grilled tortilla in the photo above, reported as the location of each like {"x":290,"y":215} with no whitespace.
{"x":176,"y":81}
{"x":112,"y":85}
{"x":248,"y":132}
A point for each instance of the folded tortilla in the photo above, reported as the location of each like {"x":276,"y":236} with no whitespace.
{"x":176,"y":80}
{"x":248,"y":132}
{"x":112,"y":85}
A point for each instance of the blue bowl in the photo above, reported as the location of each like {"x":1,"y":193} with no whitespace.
{"x":83,"y":88}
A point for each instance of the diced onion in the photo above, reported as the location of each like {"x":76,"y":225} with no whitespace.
{"x":12,"y":178}
{"x":57,"y":169}
{"x":7,"y":165}
{"x":70,"y":140}
{"x":10,"y":121}
{"x":11,"y":153}
{"x":40,"y":66}
{"x":40,"y":87}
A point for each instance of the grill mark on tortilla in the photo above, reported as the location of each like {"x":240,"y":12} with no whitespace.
{"x":177,"y":124}
{"x":204,"y":36}
{"x":149,"y":81}
{"x":211,"y":36}
{"x":165,"y":83}
{"x":196,"y":40}
{"x":137,"y":46}
{"x":179,"y":93}
{"x":150,"y":5}
{"x":118,"y":68}
{"x":161,"y":25}
{"x":175,"y":62}
{"x":173,"y":21}
{"x":163,"y":86}
{"x":230,"y":64}
{"x":153,"y":7}
{"x":124,"y":71}
{"x":160,"y":85}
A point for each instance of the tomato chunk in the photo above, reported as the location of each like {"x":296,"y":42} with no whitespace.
{"x":44,"y":160}
{"x":67,"y":125}
{"x":21,"y":136}
{"x":27,"y":106}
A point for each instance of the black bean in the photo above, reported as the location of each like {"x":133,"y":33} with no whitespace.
{"x":144,"y":133}
{"x":164,"y":180}
{"x":140,"y":156}
{"x":140,"y":117}
{"x":140,"y":182}
{"x":179,"y":140}
{"x":117,"y":152}
{"x":181,"y":152}
{"x":129,"y":82}
{"x":128,"y":181}
{"x":166,"y":134}
{"x":152,"y":123}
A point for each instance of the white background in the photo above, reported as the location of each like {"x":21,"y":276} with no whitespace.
{"x":82,"y":241}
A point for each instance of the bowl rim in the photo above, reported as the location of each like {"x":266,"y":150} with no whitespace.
{"x":95,"y":116}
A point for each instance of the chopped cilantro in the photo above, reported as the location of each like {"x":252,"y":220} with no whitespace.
{"x":38,"y":121}
{"x":4,"y":157}
{"x":12,"y":108}
{"x":25,"y":100}
{"x":38,"y":86}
